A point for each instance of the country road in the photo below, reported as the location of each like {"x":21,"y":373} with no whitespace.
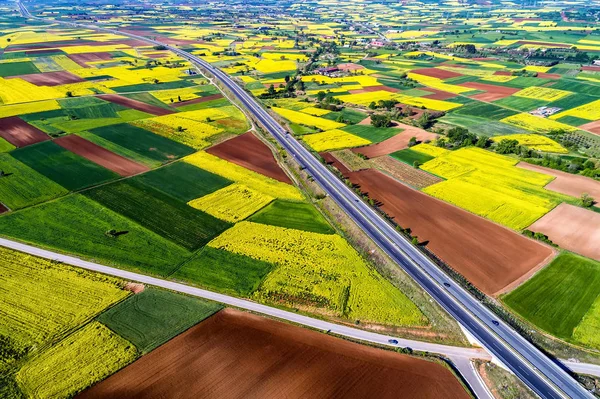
{"x":542,"y":374}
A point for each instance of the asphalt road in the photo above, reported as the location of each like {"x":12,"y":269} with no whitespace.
{"x":542,"y":374}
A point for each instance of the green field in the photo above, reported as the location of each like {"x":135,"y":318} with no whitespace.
{"x":577,"y":87}
{"x":143,"y":142}
{"x":350,"y":115}
{"x":117,"y":149}
{"x":183,"y":181}
{"x":482,"y":126}
{"x":294,"y":215}
{"x":159,"y":212}
{"x":76,"y":224}
{"x":521,"y":103}
{"x":62,"y":166}
{"x":371,"y":133}
{"x":17,"y":68}
{"x":224,"y":271}
{"x":83,"y":358}
{"x":410,"y":156}
{"x":557,"y":298}
{"x":5,"y":146}
{"x":22,"y":186}
{"x":154,"y":316}
{"x":573,"y":101}
{"x":484,"y":110}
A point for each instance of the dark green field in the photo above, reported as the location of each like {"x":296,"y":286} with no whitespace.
{"x":577,"y":87}
{"x":557,"y":298}
{"x":371,"y":133}
{"x":573,"y":101}
{"x":409,"y":156}
{"x":484,"y":110}
{"x":17,"y":68}
{"x":22,"y":186}
{"x":154,"y":316}
{"x":293,"y":215}
{"x":521,"y":103}
{"x":78,"y":225}
{"x":350,"y":115}
{"x":224,"y":271}
{"x":159,"y":212}
{"x":62,"y":166}
{"x":482,"y":126}
{"x":143,"y":142}
{"x":183,"y":181}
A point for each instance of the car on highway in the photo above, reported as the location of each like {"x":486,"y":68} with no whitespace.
{"x":446,"y":284}
{"x":495,"y":322}
{"x":393,"y":341}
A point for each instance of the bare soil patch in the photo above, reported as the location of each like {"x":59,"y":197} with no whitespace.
{"x":493,"y":92}
{"x":198,"y":100}
{"x":50,"y":78}
{"x":83,"y":59}
{"x":136,"y":288}
{"x":487,"y":254}
{"x":20,"y":133}
{"x":592,"y":127}
{"x":544,"y":75}
{"x":573,"y":228}
{"x":567,"y":183}
{"x":135,"y":104}
{"x":238,"y":355}
{"x":416,"y":178}
{"x":350,"y":67}
{"x":330,"y":159}
{"x":100,"y":155}
{"x":396,"y":143}
{"x":437,"y":73}
{"x":439,"y":94}
{"x":249,"y":152}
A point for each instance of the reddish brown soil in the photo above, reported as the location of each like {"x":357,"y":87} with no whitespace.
{"x":83,"y":59}
{"x":396,"y":143}
{"x":369,"y":89}
{"x":239,"y":355}
{"x":545,"y":75}
{"x":50,"y":78}
{"x":503,"y":73}
{"x":573,"y":228}
{"x":350,"y":67}
{"x":3,"y":208}
{"x":20,"y":133}
{"x":251,"y":153}
{"x":437,"y":73}
{"x":135,"y":104}
{"x":493,"y":92}
{"x":100,"y":155}
{"x":439,"y":94}
{"x":199,"y":100}
{"x":567,"y":183}
{"x":332,"y":160}
{"x":488,"y":255}
{"x":592,"y":127}
{"x":593,"y":68}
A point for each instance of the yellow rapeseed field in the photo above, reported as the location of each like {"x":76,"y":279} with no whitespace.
{"x":498,"y":78}
{"x":536,"y":123}
{"x":28,"y":108}
{"x":439,"y":84}
{"x":315,"y":111}
{"x":173,"y":95}
{"x":490,"y":185}
{"x":535,"y":141}
{"x":320,"y":272}
{"x":308,"y":120}
{"x":232,"y":203}
{"x":333,"y":140}
{"x":236,"y":173}
{"x":590,"y":111}
{"x":542,"y":93}
{"x":429,"y":149}
{"x":17,"y":90}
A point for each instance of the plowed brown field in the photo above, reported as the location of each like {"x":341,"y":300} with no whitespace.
{"x":251,"y":153}
{"x":490,"y":256}
{"x":492,"y":92}
{"x":100,"y":155}
{"x":573,"y":228}
{"x":20,"y":133}
{"x":50,"y":78}
{"x":238,"y":355}
{"x":135,"y":104}
{"x":567,"y":183}
{"x":396,"y":143}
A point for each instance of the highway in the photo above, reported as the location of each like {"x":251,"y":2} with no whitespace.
{"x":540,"y":373}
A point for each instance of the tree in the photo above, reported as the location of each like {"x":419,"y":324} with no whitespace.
{"x":69,"y":94}
{"x":372,"y":105}
{"x":179,"y":98}
{"x":587,"y":200}
{"x":321,"y":95}
{"x":412,"y":141}
{"x":416,"y":164}
{"x":271,"y":89}
{"x":381,"y":120}
{"x":507,"y":146}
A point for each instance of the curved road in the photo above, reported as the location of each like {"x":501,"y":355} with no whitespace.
{"x":545,"y":377}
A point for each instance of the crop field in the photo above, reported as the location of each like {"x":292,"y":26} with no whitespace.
{"x":245,"y":348}
{"x":159,"y":212}
{"x":83,"y":358}
{"x":560,"y":297}
{"x":333,"y":140}
{"x":320,"y":272}
{"x":589,"y":111}
{"x":543,"y":93}
{"x":491,"y":186}
{"x":535,"y":142}
{"x":224,"y":271}
{"x":371,"y":133}
{"x":308,"y":120}
{"x":235,"y":173}
{"x":536,"y":124}
{"x":154,"y":316}
{"x":410,"y":156}
{"x":293,"y":215}
{"x":233,"y":203}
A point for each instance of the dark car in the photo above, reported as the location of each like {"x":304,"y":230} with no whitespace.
{"x":393,"y":341}
{"x":446,"y":284}
{"x":495,"y":322}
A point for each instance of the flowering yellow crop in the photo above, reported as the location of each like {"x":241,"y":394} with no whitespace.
{"x":542,"y":93}
{"x":271,"y":66}
{"x":232,"y":203}
{"x":174,"y":95}
{"x":439,"y":84}
{"x":536,"y":123}
{"x":186,"y":131}
{"x":367,"y":98}
{"x":28,"y":108}
{"x":429,"y":149}
{"x":308,"y":120}
{"x":590,"y":111}
{"x":490,"y":185}
{"x":537,"y":68}
{"x":429,"y":103}
{"x":535,"y":141}
{"x":320,"y":272}
{"x":499,"y":78}
{"x":315,"y":111}
{"x":18,"y":90}
{"x":333,"y":140}
{"x":236,"y":173}
{"x":131,"y":75}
